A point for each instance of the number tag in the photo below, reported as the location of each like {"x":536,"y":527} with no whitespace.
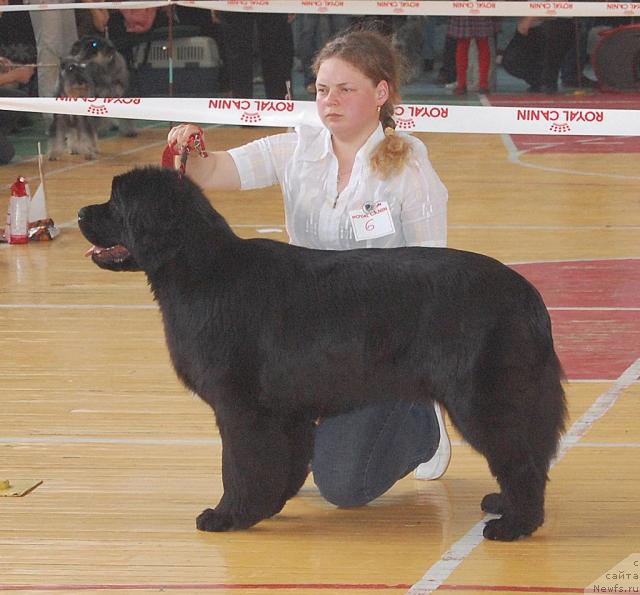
{"x":373,"y":220}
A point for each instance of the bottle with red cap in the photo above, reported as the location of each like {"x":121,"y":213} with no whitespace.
{"x":18,"y":220}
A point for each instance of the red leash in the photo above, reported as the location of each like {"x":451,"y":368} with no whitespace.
{"x":195,"y":143}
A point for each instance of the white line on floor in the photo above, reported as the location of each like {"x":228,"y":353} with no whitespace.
{"x":459,"y":551}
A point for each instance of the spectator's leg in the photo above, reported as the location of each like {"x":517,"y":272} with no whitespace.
{"x":428,"y":50}
{"x":448,"y":70}
{"x":484,"y":62}
{"x":559,"y":37}
{"x":462,"y":63}
{"x":238,"y":39}
{"x":576,"y":58}
{"x":308,"y":45}
{"x":55,"y":32}
{"x":276,"y":51}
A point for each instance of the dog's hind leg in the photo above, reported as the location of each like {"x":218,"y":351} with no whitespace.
{"x":519,"y":434}
{"x":521,"y":501}
{"x":256,"y":469}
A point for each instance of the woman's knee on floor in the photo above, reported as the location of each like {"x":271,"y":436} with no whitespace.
{"x":346,"y":490}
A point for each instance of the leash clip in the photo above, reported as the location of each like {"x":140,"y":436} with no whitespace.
{"x":196,"y":142}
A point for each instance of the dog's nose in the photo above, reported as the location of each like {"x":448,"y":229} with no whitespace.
{"x":82,"y":214}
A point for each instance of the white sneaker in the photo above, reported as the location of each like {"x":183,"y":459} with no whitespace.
{"x":438,"y":463}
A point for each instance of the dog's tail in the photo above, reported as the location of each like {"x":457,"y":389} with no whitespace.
{"x":549,"y":414}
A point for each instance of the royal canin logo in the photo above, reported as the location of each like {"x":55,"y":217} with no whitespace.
{"x":252,"y":108}
{"x":474,"y":7}
{"x":406,"y":115}
{"x":399,"y":6}
{"x":627,"y":8}
{"x":560,"y":119}
{"x":249,"y":4}
{"x":551,"y":8}
{"x":323,"y":5}
{"x":98,"y":106}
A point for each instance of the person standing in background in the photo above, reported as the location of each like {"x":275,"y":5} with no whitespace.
{"x":55,"y":32}
{"x":464,"y":29}
{"x":275,"y":48}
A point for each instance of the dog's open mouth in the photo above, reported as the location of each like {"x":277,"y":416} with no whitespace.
{"x":108,"y":256}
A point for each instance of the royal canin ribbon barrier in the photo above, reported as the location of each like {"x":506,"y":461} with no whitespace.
{"x":284,"y":113}
{"x":373,"y":7}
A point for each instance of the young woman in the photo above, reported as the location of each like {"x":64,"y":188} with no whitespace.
{"x":355,"y":164}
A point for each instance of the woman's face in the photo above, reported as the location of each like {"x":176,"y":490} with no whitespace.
{"x":347,"y":100}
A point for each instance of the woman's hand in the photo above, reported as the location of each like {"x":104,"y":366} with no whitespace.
{"x":23,"y":74}
{"x":14,"y":73}
{"x":183,"y":136}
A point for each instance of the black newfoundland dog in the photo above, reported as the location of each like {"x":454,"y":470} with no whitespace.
{"x":274,"y":336}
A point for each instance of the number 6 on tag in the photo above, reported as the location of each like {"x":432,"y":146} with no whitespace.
{"x":372,"y":222}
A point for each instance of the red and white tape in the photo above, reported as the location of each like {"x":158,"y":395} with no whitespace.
{"x":409,"y":117}
{"x":376,"y":7}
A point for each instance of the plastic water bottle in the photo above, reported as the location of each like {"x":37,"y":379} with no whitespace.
{"x":19,"y":212}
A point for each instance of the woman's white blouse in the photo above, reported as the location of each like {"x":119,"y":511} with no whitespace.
{"x":304,"y":165}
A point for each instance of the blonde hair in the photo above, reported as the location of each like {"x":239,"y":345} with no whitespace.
{"x":372,"y":54}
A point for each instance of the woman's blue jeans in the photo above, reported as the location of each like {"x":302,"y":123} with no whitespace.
{"x":358,"y":456}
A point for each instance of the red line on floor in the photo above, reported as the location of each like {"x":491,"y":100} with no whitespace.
{"x":286,"y":586}
{"x":207,"y":587}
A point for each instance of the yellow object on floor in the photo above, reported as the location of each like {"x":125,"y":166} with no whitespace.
{"x":18,"y":487}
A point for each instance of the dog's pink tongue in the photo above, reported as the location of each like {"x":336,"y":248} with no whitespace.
{"x":93,"y":249}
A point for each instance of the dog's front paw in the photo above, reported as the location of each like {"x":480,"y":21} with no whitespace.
{"x":212,"y":520}
{"x":508,"y":528}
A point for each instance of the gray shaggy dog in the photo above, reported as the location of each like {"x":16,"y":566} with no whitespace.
{"x":77,"y":133}
{"x":109,"y":73}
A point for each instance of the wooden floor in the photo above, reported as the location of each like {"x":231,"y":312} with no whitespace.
{"x":128,"y":458}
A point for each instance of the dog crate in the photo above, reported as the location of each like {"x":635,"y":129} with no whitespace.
{"x":196,"y":64}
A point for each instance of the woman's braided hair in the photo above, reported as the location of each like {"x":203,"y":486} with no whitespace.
{"x":372,"y":54}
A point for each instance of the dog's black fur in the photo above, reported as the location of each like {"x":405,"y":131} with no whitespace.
{"x":273,"y":336}
{"x":78,"y":132}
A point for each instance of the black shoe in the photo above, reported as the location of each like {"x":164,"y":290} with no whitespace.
{"x":549,"y":89}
